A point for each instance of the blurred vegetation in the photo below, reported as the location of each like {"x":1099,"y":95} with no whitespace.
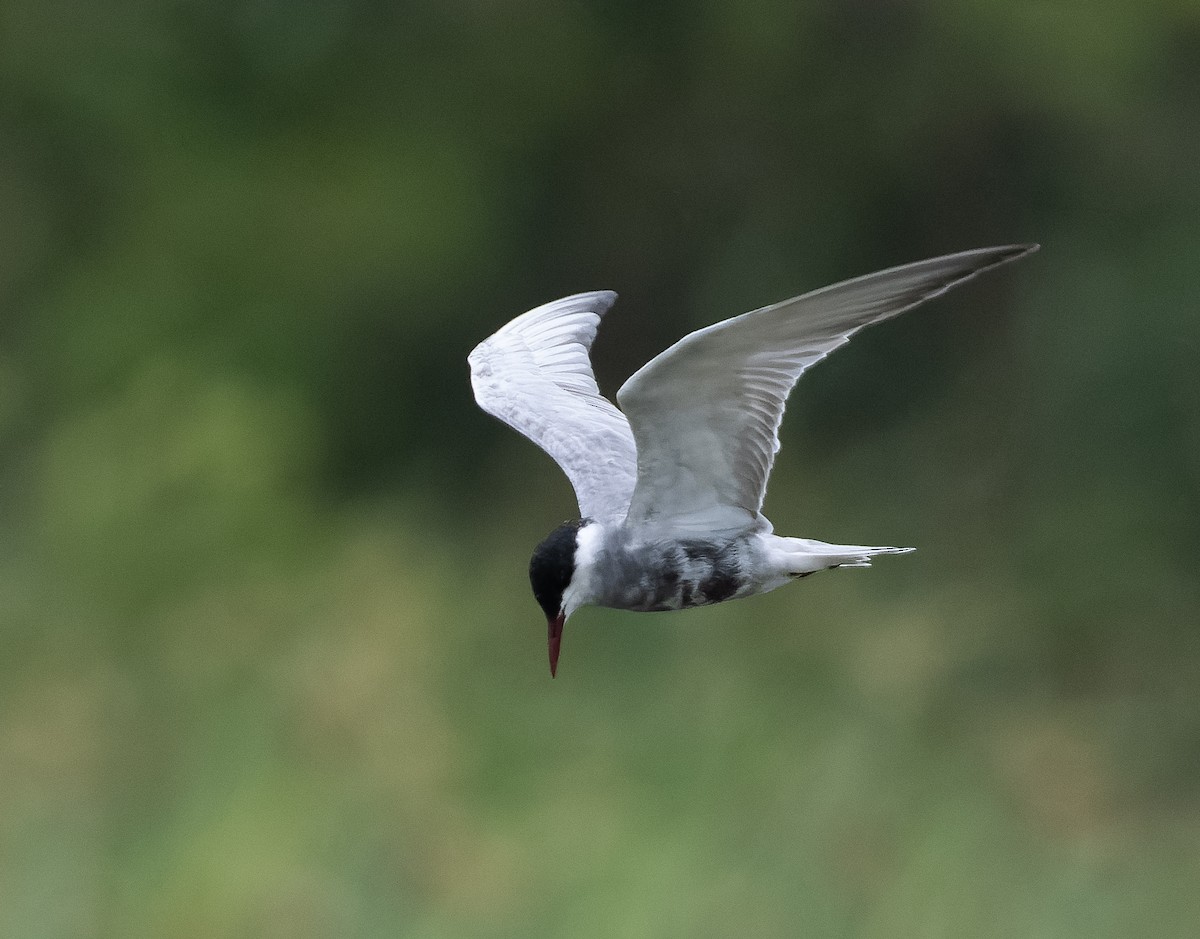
{"x":271,"y":667}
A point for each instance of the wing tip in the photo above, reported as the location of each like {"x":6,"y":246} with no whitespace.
{"x":1002,"y":254}
{"x":1020,"y":250}
{"x":585,"y":299}
{"x":598,"y":302}
{"x":601,"y":301}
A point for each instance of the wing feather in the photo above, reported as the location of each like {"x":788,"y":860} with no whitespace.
{"x":705,"y":413}
{"x":535,"y":374}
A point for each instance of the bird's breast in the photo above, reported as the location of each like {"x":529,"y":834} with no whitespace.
{"x":676,"y":574}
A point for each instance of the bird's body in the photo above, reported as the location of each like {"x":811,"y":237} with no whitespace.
{"x":619,"y":567}
{"x":671,"y":489}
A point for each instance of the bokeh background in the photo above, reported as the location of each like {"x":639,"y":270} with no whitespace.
{"x":270,"y":666}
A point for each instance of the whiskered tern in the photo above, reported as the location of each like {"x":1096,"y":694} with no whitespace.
{"x":671,"y":485}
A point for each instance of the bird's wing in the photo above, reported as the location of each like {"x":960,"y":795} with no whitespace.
{"x":705,"y":413}
{"x":535,"y":375}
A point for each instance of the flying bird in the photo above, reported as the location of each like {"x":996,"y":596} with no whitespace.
{"x":671,"y":485}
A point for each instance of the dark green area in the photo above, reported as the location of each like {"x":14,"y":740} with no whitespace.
{"x":270,"y":662}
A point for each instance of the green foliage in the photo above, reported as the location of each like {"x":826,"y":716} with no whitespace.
{"x":271,"y":666}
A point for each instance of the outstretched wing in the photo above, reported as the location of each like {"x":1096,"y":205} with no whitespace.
{"x":705,"y":413}
{"x":535,"y":375}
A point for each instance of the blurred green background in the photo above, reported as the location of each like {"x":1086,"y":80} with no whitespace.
{"x":271,"y":667}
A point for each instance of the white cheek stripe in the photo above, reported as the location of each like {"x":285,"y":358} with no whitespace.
{"x":588,"y":541}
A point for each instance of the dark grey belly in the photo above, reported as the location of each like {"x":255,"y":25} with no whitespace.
{"x":677,"y":576}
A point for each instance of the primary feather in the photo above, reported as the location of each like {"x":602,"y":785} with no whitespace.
{"x":705,"y":413}
{"x":535,"y":374}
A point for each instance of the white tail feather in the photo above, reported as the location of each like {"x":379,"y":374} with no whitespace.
{"x":806,"y":556}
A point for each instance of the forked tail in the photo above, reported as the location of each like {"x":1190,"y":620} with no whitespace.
{"x":800,"y":556}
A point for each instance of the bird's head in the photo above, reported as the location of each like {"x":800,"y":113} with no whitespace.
{"x":552,"y":570}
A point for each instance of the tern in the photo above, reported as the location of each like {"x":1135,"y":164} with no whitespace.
{"x":671,"y":485}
